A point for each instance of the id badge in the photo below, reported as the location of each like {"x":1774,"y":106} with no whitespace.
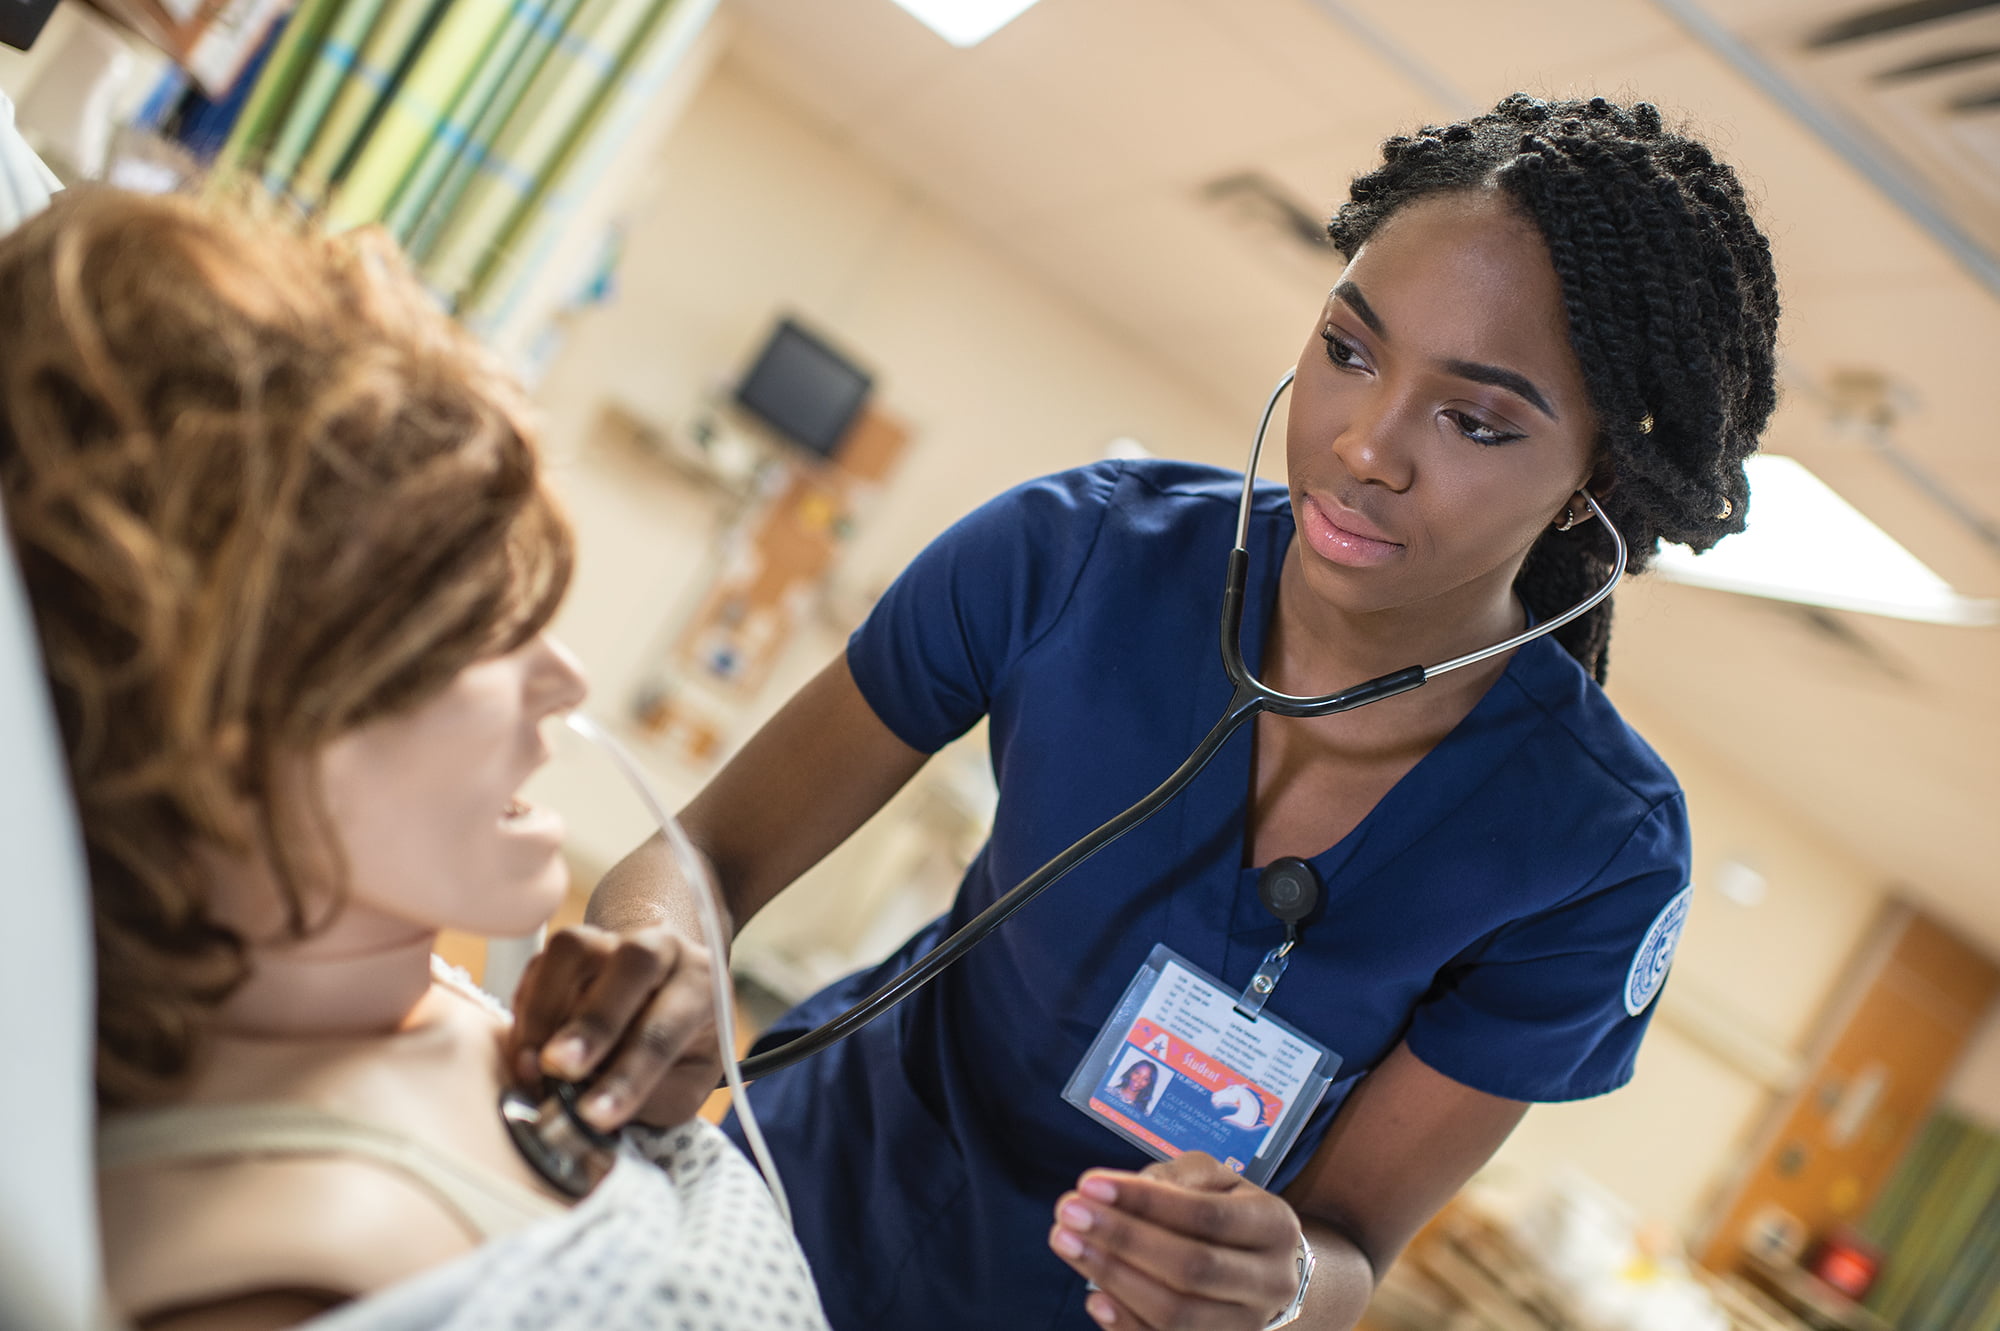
{"x":1181,"y":1066}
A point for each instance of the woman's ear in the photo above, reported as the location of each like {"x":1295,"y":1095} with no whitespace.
{"x":1603,"y":477}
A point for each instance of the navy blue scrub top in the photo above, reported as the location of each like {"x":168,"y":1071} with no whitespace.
{"x":1504,"y":908}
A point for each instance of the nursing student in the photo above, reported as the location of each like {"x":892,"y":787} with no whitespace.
{"x":1550,"y":302}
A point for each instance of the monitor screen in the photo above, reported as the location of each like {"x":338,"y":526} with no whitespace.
{"x":21,"y":21}
{"x":802,"y":388}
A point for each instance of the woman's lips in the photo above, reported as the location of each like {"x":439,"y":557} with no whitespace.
{"x":1339,"y":544}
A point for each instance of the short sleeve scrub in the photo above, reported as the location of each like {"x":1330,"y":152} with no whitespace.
{"x":1508,"y":907}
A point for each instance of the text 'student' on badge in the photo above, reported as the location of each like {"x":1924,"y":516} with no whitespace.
{"x":1180,"y":1066}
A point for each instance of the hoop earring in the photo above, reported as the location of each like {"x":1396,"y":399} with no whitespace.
{"x":1570,"y":516}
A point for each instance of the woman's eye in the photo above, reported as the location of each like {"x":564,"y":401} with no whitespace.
{"x":1342,"y":352}
{"x":1478,"y":431}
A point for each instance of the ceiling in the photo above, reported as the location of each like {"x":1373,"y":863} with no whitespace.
{"x":1079,"y":140}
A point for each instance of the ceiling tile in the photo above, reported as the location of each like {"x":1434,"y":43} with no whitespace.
{"x":840,"y":58}
{"x":1935,"y":343}
{"x":1086,"y":100}
{"x":1826,"y":221}
{"x":1307,"y":45}
{"x":1488,"y":50}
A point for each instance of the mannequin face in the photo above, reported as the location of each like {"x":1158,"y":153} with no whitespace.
{"x":425,"y":801}
{"x":1439,"y":421}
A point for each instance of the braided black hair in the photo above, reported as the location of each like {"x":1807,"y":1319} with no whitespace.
{"x":1673,"y":314}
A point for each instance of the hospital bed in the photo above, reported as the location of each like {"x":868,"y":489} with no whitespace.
{"x":48,"y":1225}
{"x":49,"y":1269}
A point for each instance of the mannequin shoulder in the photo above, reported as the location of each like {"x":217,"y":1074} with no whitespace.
{"x":261,"y":1242}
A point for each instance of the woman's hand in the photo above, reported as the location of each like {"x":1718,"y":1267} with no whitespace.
{"x":632,"y":1014}
{"x":1184,"y":1244}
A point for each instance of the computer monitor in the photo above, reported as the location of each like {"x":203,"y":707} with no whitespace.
{"x":800,"y":386}
{"x":21,"y":21}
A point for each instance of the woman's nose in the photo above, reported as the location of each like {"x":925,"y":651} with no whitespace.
{"x":558,"y":680}
{"x":1372,"y":447}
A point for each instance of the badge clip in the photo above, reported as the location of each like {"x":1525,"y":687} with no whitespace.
{"x":1290,"y":890}
{"x":1269,"y":971}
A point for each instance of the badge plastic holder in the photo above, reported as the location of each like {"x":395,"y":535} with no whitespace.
{"x":1181,"y":1065}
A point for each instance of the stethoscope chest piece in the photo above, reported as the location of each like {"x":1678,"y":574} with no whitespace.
{"x":554,"y":1139}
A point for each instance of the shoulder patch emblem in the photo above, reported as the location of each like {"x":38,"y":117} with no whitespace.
{"x":1656,"y":952}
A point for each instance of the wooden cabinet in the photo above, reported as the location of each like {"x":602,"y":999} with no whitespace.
{"x":1893,"y":1035}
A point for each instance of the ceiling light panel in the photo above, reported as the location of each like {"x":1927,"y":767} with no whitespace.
{"x":1805,"y":543}
{"x":965,"y":22}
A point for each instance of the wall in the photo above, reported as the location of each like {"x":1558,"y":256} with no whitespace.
{"x":1974,"y":1090}
{"x":750,"y":210}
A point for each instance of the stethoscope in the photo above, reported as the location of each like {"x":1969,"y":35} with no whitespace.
{"x":1251,"y":696}
{"x":568,"y":1152}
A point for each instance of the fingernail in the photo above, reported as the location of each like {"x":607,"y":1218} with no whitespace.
{"x":602,"y":1110}
{"x":1098,"y":1188}
{"x":1076,"y":1217}
{"x":565,"y":1056}
{"x":1068,"y":1244}
{"x":1100,"y":1307}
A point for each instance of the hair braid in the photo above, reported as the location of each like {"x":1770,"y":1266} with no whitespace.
{"x":1672,"y":304}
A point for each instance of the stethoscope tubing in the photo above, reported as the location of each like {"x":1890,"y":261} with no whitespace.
{"x":1249,"y":697}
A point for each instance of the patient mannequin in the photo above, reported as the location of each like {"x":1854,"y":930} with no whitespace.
{"x":291,"y":558}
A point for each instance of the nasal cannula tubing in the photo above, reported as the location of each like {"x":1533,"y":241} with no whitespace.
{"x":694,"y":871}
{"x":1250,"y":697}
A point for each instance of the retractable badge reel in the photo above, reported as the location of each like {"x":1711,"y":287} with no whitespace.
{"x":1289,"y":889}
{"x":1186,"y":1063}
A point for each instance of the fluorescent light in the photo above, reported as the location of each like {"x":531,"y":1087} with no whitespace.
{"x":965,"y":22}
{"x":1807,"y":544}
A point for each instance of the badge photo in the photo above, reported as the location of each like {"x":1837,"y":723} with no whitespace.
{"x":1180,"y":1067}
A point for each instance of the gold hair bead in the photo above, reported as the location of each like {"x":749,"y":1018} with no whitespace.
{"x":1728,"y":507}
{"x":1646,"y":423}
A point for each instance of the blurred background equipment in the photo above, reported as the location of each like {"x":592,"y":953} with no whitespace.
{"x":804,"y":389}
{"x":21,"y":21}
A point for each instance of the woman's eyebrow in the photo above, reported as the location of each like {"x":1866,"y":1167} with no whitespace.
{"x":1518,"y":384}
{"x":1350,"y":295}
